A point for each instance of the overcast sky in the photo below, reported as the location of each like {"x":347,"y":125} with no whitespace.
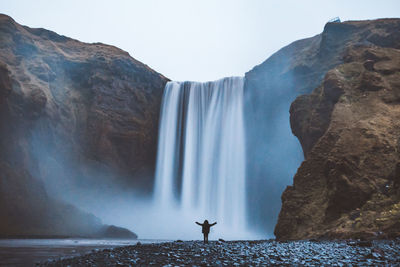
{"x":194,"y":40}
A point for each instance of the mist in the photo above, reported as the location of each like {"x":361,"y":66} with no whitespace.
{"x":97,"y":188}
{"x":269,"y":154}
{"x":274,"y":155}
{"x":273,"y":152}
{"x":205,"y":47}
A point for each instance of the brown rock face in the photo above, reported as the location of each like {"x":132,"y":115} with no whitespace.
{"x":69,"y":111}
{"x":273,"y":154}
{"x":349,"y":130}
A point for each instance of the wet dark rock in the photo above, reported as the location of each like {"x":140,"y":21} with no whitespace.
{"x":362,"y":243}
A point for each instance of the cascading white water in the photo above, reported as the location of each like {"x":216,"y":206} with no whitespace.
{"x":200,"y":172}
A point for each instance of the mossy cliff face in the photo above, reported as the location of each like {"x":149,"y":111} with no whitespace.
{"x":349,"y":128}
{"x":69,"y":105}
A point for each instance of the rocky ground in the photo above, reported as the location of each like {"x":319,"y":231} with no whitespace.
{"x":238,"y":253}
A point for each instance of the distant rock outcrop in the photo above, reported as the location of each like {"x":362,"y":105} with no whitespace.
{"x":114,"y":232}
{"x":349,"y":127}
{"x":69,"y":111}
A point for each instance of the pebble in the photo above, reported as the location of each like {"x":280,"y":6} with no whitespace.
{"x":243,"y":253}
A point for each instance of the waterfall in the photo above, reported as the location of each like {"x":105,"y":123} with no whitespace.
{"x":200,"y":170}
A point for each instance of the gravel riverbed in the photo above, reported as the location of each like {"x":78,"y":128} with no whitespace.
{"x":243,"y":253}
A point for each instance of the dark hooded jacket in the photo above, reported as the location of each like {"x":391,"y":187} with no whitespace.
{"x":205,"y":227}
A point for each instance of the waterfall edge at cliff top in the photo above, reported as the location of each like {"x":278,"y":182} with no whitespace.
{"x":200,"y":171}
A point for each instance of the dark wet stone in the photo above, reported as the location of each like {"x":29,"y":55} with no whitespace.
{"x":362,"y":243}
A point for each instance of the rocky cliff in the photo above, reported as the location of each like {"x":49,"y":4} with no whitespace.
{"x":273,"y":153}
{"x":86,"y":113}
{"x":348,"y":128}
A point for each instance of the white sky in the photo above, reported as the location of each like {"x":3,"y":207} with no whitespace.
{"x":194,"y":40}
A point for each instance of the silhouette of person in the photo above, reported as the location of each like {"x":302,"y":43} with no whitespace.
{"x":205,"y":229}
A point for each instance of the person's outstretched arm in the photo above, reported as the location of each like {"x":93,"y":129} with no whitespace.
{"x":199,"y":223}
{"x":213,"y":224}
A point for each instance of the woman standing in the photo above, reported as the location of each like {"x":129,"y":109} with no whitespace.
{"x":205,"y":229}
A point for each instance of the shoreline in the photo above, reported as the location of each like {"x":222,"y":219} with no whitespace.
{"x":27,"y":252}
{"x":32,"y":237}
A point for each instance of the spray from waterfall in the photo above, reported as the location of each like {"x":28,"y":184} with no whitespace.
{"x":200,"y":172}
